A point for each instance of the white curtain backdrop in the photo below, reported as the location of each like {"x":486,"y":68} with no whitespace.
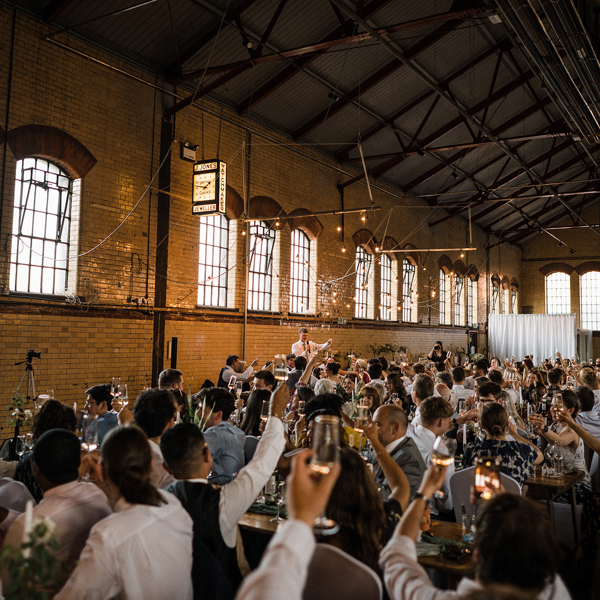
{"x":540,"y":335}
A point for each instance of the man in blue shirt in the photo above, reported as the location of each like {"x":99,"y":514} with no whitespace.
{"x":99,"y":404}
{"x":225,"y":441}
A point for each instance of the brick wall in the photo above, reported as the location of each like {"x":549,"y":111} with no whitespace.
{"x":119,"y":121}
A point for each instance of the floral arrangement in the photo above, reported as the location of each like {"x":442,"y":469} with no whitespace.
{"x":33,"y":570}
{"x":17,"y":413}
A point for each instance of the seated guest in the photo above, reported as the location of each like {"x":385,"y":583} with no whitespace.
{"x":518,"y":456}
{"x":217,"y":510}
{"x":99,"y":404}
{"x":296,"y":374}
{"x":444,"y":388}
{"x":458,"y":387}
{"x":263,"y":380}
{"x":384,"y":366}
{"x":331,"y":372}
{"x":396,"y":392}
{"x":480,"y":369}
{"x":144,"y":550}
{"x":369,"y":396}
{"x":422,"y":387}
{"x":302,"y":393}
{"x":514,"y":544}
{"x":435,"y":420}
{"x":172,"y":379}
{"x":391,"y":422}
{"x":589,"y":380}
{"x":73,"y":506}
{"x":52,"y":415}
{"x":587,"y":417}
{"x":251,"y":423}
{"x":154,"y":412}
{"x":324,"y":386}
{"x":233,"y":367}
{"x":225,"y":441}
{"x":289,"y":359}
{"x":375,"y":371}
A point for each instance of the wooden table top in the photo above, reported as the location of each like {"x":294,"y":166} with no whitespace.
{"x":449,"y":531}
{"x":553,"y":486}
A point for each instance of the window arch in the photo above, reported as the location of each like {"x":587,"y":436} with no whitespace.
{"x":558,"y":293}
{"x":212,"y":260}
{"x":363,"y":267}
{"x":589,"y":290}
{"x":385,"y":303}
{"x":409,"y":292}
{"x":299,"y":272}
{"x":44,"y":249}
{"x":262,"y":242}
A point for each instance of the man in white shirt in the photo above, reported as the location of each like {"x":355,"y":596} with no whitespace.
{"x":233,"y":368}
{"x":587,"y":417}
{"x":216,"y":511}
{"x":422,"y":388}
{"x":73,"y":506}
{"x":589,"y":380}
{"x":305,"y":348}
{"x":459,"y":390}
{"x":154,"y":412}
{"x":391,"y":423}
{"x":435,"y":420}
{"x":479,"y":370}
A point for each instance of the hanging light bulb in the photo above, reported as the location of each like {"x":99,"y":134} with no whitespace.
{"x":343,"y":248}
{"x":326,"y":314}
{"x":335,"y":293}
{"x":417,"y":295}
{"x":347,"y":306}
{"x":462,"y":254}
{"x":376,"y":248}
{"x":353,"y":297}
{"x":243,"y":232}
{"x":433,"y":294}
{"x":334,"y":300}
{"x":363,"y":217}
{"x":339,"y":228}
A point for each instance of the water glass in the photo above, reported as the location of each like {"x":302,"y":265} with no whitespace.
{"x":362,"y":417}
{"x":468,"y":526}
{"x":281,"y":371}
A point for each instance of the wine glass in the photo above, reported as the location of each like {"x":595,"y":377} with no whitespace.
{"x":50,"y":394}
{"x":362,"y":417}
{"x":238,"y":388}
{"x":89,"y":438}
{"x":279,"y":494}
{"x":232,"y":382}
{"x":444,"y":449}
{"x":20,"y":445}
{"x":326,"y":446}
{"x":281,"y":371}
{"x":29,"y":443}
{"x":114,"y":387}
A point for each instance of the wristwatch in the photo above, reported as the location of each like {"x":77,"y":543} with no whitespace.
{"x":423,"y":496}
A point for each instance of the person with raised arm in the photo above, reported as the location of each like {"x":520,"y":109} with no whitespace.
{"x":306,"y":348}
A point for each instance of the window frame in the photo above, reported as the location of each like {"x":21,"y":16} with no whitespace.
{"x":299,"y":272}
{"x":362,"y":263}
{"x":258,"y":229}
{"x":206,"y":280}
{"x":459,"y":301}
{"x":385,"y":289}
{"x":409,"y":292}
{"x":472,"y":299}
{"x":587,"y":323}
{"x":39,"y":243}
{"x":555,"y":282}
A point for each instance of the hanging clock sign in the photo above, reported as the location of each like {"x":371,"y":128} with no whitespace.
{"x":210,"y":181}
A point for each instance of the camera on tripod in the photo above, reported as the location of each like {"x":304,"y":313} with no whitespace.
{"x":33,"y":354}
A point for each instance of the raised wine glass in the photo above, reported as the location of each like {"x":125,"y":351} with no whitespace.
{"x":123,"y":395}
{"x":281,"y":371}
{"x":114,"y":387}
{"x":20,"y":446}
{"x":264,"y":411}
{"x":362,"y":417}
{"x":326,"y":446}
{"x":279,"y":497}
{"x":231,"y":384}
{"x":444,"y":449}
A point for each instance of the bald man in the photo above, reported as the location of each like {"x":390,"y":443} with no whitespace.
{"x":391,"y":422}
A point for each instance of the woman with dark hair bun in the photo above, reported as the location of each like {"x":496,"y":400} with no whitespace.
{"x":144,"y":550}
{"x":518,"y":456}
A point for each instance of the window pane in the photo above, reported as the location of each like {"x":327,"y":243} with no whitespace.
{"x":409,"y":292}
{"x":362,"y":266}
{"x":459,"y":301}
{"x":262,"y":241}
{"x":385,"y":302}
{"x":558,"y":294}
{"x":42,"y":210}
{"x":212,"y":260}
{"x":589,"y":293}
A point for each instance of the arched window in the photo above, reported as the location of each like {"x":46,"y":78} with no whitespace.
{"x":262,"y":241}
{"x":505,"y":301}
{"x":409,"y":292}
{"x":212,"y":261}
{"x":299,"y":270}
{"x":459,"y":300}
{"x":41,"y":242}
{"x":363,"y":268}
{"x":589,"y":292}
{"x":385,"y":303}
{"x":513,"y":302}
{"x":495,"y":298}
{"x":445,"y":298}
{"x":558,"y":293}
{"x":472,"y":302}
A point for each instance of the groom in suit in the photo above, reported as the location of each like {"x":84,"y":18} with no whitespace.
{"x":391,"y":422}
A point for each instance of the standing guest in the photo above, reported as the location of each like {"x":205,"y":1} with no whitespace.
{"x":225,"y":441}
{"x":99,"y":404}
{"x":144,"y":550}
{"x":73,"y":506}
{"x":154,"y":412}
{"x":217,"y":510}
{"x":391,"y":422}
{"x":263,"y":380}
{"x":303,"y":347}
{"x":514,"y":544}
{"x":438,"y":355}
{"x":233,"y":366}
{"x":52,"y":415}
{"x":587,"y":417}
{"x":251,"y":423}
{"x":517,"y":456}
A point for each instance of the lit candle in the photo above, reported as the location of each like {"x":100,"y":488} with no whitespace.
{"x":75,"y":406}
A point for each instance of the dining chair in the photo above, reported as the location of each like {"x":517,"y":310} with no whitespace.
{"x":335,"y":575}
{"x":460,"y":488}
{"x":250,"y":447}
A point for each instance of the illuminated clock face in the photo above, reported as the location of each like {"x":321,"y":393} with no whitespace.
{"x":204,"y":186}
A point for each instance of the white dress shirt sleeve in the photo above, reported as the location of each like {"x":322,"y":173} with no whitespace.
{"x":227,"y":373}
{"x":404,"y":577}
{"x":319,"y":347}
{"x":237,"y":496}
{"x":282,"y":570}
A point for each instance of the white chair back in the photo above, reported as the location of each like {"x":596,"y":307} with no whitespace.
{"x":460,"y":488}
{"x":335,"y":575}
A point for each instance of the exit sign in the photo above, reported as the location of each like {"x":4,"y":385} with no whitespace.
{"x":341,"y":321}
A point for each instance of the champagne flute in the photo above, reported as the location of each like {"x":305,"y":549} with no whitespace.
{"x":279,"y":500}
{"x":29,"y":443}
{"x":281,"y":372}
{"x":123,"y":395}
{"x":114,"y":387}
{"x":238,"y":388}
{"x":20,"y":445}
{"x":326,"y":446}
{"x":265,"y":410}
{"x":232,"y":383}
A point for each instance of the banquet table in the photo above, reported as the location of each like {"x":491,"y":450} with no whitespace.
{"x":540,"y":487}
